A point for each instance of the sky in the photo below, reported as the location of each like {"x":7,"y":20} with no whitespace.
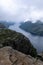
{"x":21,"y":10}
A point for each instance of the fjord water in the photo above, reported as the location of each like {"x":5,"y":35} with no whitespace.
{"x":37,"y":41}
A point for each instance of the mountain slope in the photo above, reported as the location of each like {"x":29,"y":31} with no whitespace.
{"x":6,"y":24}
{"x":16,"y":41}
{"x":34,"y":28}
{"x":2,"y":26}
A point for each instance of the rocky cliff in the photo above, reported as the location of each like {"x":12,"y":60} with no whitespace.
{"x":9,"y":56}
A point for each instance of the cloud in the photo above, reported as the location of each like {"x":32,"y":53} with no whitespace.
{"x":21,"y":10}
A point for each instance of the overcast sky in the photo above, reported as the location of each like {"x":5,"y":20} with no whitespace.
{"x":21,"y":10}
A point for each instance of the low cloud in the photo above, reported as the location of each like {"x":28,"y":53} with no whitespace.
{"x":21,"y":10}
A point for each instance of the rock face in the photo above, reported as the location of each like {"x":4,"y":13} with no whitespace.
{"x":9,"y":56}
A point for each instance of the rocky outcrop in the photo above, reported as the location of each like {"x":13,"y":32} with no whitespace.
{"x":40,"y":56}
{"x":9,"y":56}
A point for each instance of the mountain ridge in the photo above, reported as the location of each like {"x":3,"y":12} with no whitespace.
{"x":34,"y":28}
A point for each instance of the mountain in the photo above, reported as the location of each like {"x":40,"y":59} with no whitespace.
{"x":6,"y":24}
{"x":10,"y":56}
{"x":2,"y":26}
{"x":34,"y":28}
{"x":16,"y":41}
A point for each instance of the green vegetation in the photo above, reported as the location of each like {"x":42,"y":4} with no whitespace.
{"x":16,"y":41}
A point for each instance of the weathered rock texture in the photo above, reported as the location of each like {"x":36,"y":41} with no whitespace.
{"x":9,"y":56}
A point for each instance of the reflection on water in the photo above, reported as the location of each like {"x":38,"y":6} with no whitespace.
{"x":37,"y":41}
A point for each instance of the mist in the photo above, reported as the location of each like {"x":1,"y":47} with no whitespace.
{"x":21,"y":10}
